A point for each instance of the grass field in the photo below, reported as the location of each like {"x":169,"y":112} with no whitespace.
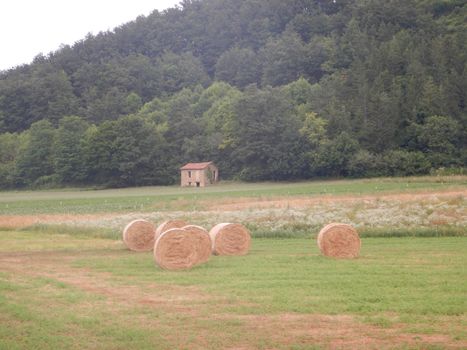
{"x":67,"y":281}
{"x":147,"y":199}
{"x":66,"y":292}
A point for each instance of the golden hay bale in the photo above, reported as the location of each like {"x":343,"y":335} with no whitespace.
{"x":174,"y":250}
{"x":339,"y":241}
{"x":203,"y":245}
{"x":230,"y":239}
{"x":167,"y":225}
{"x":139,"y":235}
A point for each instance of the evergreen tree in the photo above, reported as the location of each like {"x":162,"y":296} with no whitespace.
{"x":68,"y":151}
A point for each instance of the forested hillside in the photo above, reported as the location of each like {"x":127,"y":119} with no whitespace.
{"x":268,"y":89}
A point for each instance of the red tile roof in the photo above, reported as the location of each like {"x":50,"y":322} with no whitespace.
{"x":195,"y":166}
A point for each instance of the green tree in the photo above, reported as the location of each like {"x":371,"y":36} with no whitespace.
{"x":264,"y":138}
{"x":36,"y":160}
{"x":300,"y":91}
{"x":41,"y":91}
{"x":365,"y":164}
{"x":133,"y":103}
{"x":69,"y":159}
{"x":52,"y":93}
{"x":180,"y":71}
{"x":405,"y":163}
{"x":10,"y":144}
{"x":313,"y":129}
{"x":239,"y":67}
{"x":112,"y":105}
{"x":440,"y":138}
{"x":284,"y":59}
{"x":127,"y":152}
{"x":332,"y":157}
{"x":216,"y":106}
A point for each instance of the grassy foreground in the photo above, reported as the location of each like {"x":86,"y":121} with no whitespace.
{"x":62,"y":291}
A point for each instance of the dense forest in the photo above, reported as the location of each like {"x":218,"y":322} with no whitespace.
{"x":267,"y":89}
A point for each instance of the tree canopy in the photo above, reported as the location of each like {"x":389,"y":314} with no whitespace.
{"x":270,"y":90}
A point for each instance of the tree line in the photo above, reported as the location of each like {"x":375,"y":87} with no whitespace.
{"x":270,"y":90}
{"x":253,"y":135}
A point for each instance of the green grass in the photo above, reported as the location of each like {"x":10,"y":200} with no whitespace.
{"x":75,"y":232}
{"x":43,"y":315}
{"x":54,"y":241}
{"x":305,"y":231}
{"x":417,"y":285}
{"x":432,"y":231}
{"x":407,"y":276}
{"x":146,"y":199}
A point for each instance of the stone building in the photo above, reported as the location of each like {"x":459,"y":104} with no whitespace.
{"x":198,"y":174}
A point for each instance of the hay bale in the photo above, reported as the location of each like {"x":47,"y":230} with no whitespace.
{"x":174,"y":250}
{"x":167,"y":225}
{"x":339,"y":241}
{"x":203,"y":245}
{"x":139,"y":235}
{"x":230,"y":239}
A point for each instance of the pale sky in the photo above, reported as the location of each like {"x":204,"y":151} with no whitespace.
{"x":30,"y":27}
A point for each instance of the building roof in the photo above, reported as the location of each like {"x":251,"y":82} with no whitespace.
{"x":195,"y":166}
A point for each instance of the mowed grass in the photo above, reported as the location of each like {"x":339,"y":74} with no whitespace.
{"x":145,"y":199}
{"x":408,"y":275}
{"x":55,"y":241}
{"x":405,"y":285}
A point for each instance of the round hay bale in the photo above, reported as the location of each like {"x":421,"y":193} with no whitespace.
{"x":230,"y":239}
{"x":139,"y":235}
{"x":167,"y":225}
{"x":203,"y":245}
{"x":174,"y":250}
{"x":339,"y":241}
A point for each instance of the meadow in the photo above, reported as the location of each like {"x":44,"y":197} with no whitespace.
{"x":169,"y":198}
{"x":67,"y":281}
